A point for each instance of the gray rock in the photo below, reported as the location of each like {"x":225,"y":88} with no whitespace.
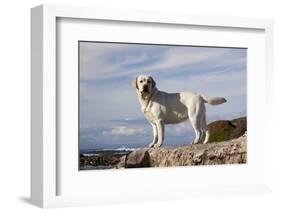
{"x":122,"y":163}
{"x":228,"y":152}
{"x":138,"y":158}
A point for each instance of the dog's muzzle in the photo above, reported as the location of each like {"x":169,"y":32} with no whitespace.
{"x":145,"y":89}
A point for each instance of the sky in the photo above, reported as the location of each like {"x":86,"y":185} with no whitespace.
{"x":110,"y":115}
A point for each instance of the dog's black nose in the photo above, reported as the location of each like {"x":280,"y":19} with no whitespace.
{"x":145,"y":88}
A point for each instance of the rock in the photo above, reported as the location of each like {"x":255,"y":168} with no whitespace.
{"x":223,"y":130}
{"x":106,"y":160}
{"x":138,"y":158}
{"x":228,"y":152}
{"x":122,"y":163}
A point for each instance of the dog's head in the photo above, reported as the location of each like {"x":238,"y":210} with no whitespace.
{"x":144,"y":85}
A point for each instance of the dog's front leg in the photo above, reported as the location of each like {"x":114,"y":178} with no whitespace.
{"x":160,"y":130}
{"x":155,"y":135}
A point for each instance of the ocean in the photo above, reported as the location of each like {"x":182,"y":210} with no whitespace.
{"x":95,"y":159}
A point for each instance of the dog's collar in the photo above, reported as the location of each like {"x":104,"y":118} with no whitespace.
{"x":150,"y":98}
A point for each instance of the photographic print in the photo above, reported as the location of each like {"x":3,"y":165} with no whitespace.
{"x":156,"y":105}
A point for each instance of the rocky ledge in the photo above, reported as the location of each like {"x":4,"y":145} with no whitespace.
{"x":229,"y":152}
{"x":227,"y":145}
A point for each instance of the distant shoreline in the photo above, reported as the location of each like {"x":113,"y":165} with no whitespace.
{"x":102,"y":159}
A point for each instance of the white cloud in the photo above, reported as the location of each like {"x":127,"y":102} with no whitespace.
{"x":181,"y":128}
{"x":123,"y":131}
{"x":96,"y":61}
{"x":183,"y":56}
{"x":214,"y":84}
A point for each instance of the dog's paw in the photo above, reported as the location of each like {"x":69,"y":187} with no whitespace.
{"x":151,"y":145}
{"x":156,"y":145}
{"x":196,"y":142}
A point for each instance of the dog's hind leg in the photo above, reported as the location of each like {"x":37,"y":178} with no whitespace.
{"x":203,"y":125}
{"x":195,"y":122}
{"x":207,"y":136}
{"x":196,"y":130}
{"x":204,"y":129}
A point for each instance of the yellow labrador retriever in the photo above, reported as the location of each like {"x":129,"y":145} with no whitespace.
{"x":162,"y":108}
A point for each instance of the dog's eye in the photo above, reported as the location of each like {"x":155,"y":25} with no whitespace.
{"x":141,"y":81}
{"x":148,"y":82}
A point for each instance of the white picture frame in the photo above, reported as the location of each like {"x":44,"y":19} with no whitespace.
{"x":44,"y":153}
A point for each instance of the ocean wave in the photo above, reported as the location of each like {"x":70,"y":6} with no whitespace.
{"x":98,"y":152}
{"x":90,"y":155}
{"x":124,"y":149}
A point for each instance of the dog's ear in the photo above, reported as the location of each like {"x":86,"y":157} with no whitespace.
{"x":153,"y":82}
{"x":135,"y":83}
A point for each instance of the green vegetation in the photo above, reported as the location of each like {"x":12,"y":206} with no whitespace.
{"x":224,"y":130}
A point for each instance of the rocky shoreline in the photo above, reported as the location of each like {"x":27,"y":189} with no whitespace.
{"x":102,"y":160}
{"x":228,"y":152}
{"x":228,"y":145}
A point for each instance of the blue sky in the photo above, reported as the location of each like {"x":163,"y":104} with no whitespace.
{"x":110,"y":115}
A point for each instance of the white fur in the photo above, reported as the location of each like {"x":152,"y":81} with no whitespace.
{"x":162,"y":108}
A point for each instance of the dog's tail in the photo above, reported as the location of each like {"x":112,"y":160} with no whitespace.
{"x":213,"y":100}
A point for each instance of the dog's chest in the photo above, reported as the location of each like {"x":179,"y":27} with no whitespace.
{"x":149,"y":116}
